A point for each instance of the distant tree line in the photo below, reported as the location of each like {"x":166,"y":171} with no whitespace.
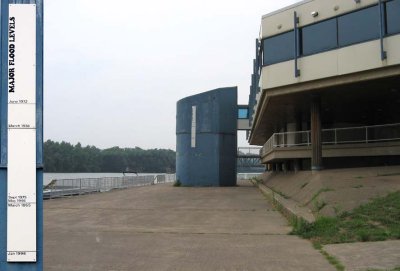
{"x":65,"y":157}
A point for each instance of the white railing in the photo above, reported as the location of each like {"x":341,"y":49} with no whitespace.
{"x":70,"y":187}
{"x":248,"y":176}
{"x":350,"y":135}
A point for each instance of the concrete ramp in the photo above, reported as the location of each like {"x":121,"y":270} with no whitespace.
{"x":173,"y":228}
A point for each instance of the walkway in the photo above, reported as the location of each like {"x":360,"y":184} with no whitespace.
{"x":165,"y":228}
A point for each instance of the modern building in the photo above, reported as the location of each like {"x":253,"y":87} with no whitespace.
{"x":325,"y":88}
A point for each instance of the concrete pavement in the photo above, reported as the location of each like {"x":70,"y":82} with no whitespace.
{"x":367,"y":256}
{"x":166,"y":228}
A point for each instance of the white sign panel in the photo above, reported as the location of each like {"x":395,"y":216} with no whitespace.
{"x":21,"y":173}
{"x":193,"y":132}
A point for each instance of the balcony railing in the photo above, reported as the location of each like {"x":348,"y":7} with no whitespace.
{"x":337,"y":136}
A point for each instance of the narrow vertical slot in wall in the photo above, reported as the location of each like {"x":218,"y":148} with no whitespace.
{"x":193,"y":132}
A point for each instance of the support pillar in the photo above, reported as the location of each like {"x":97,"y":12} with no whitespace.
{"x":296,"y":165}
{"x":316,"y":135}
{"x":299,"y":119}
{"x":285,"y":137}
{"x":285,"y":167}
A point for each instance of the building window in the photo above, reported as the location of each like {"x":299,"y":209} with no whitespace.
{"x":319,"y":37}
{"x":359,"y":26}
{"x":278,"y":48}
{"x":393,"y":17}
{"x":352,"y":28}
{"x":243,"y":113}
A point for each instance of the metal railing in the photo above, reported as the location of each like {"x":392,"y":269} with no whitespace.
{"x":248,"y":151}
{"x":248,"y":176}
{"x":71,"y":187}
{"x":337,"y":136}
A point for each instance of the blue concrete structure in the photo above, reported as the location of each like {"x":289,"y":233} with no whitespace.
{"x":38,"y":265}
{"x":206,"y":130}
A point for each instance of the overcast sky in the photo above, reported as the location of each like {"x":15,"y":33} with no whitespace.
{"x":113,"y":73}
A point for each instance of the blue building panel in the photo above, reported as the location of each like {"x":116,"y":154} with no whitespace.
{"x":207,"y":139}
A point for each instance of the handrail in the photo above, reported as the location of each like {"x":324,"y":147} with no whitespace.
{"x":80,"y":186}
{"x":335,"y":136}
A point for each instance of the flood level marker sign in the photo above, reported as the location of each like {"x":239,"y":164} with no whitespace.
{"x":21,"y":173}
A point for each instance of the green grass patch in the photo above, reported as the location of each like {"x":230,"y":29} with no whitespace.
{"x":358,"y":186}
{"x":378,"y":220}
{"x":177,"y":183}
{"x":333,"y":260}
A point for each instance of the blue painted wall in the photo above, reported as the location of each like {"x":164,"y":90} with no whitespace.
{"x":4,"y":266}
{"x":213,"y":161}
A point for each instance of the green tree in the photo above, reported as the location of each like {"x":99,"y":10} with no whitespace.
{"x":65,"y":157}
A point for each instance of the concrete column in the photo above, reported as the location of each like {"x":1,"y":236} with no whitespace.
{"x":296,"y":165}
{"x":284,"y":167}
{"x":316,"y":136}
{"x":278,"y":167}
{"x":299,"y":120}
{"x":284,"y":137}
{"x":291,"y":138}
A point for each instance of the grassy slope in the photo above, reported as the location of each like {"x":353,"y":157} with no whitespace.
{"x":376,"y":221}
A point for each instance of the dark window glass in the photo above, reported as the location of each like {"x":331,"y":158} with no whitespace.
{"x":393,"y":16}
{"x":279,"y":48}
{"x":319,"y":37}
{"x":359,"y":26}
{"x":243,"y":113}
